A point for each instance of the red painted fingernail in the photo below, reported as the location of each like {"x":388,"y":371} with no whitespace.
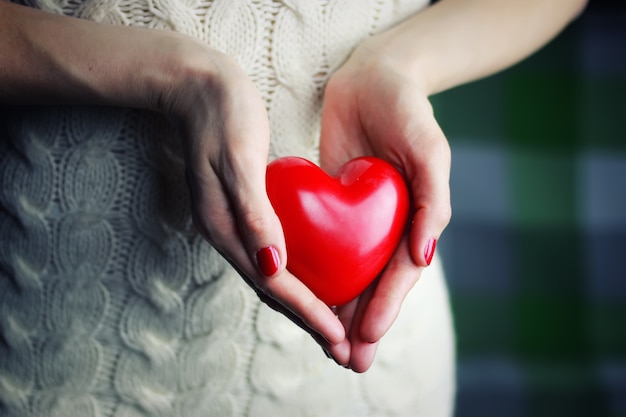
{"x":429,"y":251}
{"x":268,"y":260}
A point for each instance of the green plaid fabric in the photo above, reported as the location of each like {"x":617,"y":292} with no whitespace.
{"x":536,"y":250}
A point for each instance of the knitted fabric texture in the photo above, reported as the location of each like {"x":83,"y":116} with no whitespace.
{"x":112,"y":305}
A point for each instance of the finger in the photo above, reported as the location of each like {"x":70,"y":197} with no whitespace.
{"x":237,"y":151}
{"x":429,"y":179}
{"x":294,"y":298}
{"x":394,"y":284}
{"x":355,"y":352}
{"x":262,"y":236}
{"x":336,"y":342}
{"x":226,"y":150}
{"x":300,"y":302}
{"x":241,"y":164}
{"x":362,"y":351}
{"x":259,"y":227}
{"x":341,"y":352}
{"x":235,"y":215}
{"x":362,"y":355}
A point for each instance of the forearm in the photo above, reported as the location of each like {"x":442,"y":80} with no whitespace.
{"x":457,"y":41}
{"x":51,"y":59}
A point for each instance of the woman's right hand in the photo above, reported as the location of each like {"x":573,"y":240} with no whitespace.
{"x":219,"y":113}
{"x":223,"y":124}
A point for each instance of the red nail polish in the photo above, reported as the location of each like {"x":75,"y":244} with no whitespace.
{"x":268,"y":260}
{"x":429,"y":251}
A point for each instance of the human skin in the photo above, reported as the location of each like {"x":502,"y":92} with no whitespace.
{"x":375,"y":104}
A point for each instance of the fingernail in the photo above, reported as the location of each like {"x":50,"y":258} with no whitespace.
{"x":268,"y":260}
{"x":429,"y":251}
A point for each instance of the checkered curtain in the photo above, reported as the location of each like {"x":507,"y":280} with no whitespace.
{"x":536,"y":251}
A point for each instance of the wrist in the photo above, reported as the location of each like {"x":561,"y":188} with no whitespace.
{"x":393,"y":51}
{"x":191,"y":80}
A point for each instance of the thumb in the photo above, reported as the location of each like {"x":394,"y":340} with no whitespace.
{"x":258,"y":225}
{"x":431,"y":198}
{"x":262,"y":235}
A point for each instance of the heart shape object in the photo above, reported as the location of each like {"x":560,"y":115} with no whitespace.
{"x":340,"y":231}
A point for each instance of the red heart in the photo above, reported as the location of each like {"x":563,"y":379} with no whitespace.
{"x":340,"y":231}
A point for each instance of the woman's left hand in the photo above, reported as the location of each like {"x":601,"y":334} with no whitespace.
{"x":372,"y":108}
{"x":377,"y":104}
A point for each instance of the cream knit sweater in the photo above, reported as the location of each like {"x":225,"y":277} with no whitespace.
{"x":112,"y":305}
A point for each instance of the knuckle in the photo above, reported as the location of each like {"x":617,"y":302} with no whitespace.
{"x":254,"y":222}
{"x":444,"y":215}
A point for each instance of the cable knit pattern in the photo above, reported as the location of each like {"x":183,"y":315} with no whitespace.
{"x":111,"y":305}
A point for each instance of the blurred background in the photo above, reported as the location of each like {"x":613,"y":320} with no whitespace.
{"x":536,"y":250}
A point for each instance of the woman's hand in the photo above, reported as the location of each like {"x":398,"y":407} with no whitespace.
{"x":225,"y":132}
{"x":376,"y":104}
{"x":51,"y":59}
{"x":372,"y":108}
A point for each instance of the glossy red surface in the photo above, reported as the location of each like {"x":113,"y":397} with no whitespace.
{"x":340,"y":231}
